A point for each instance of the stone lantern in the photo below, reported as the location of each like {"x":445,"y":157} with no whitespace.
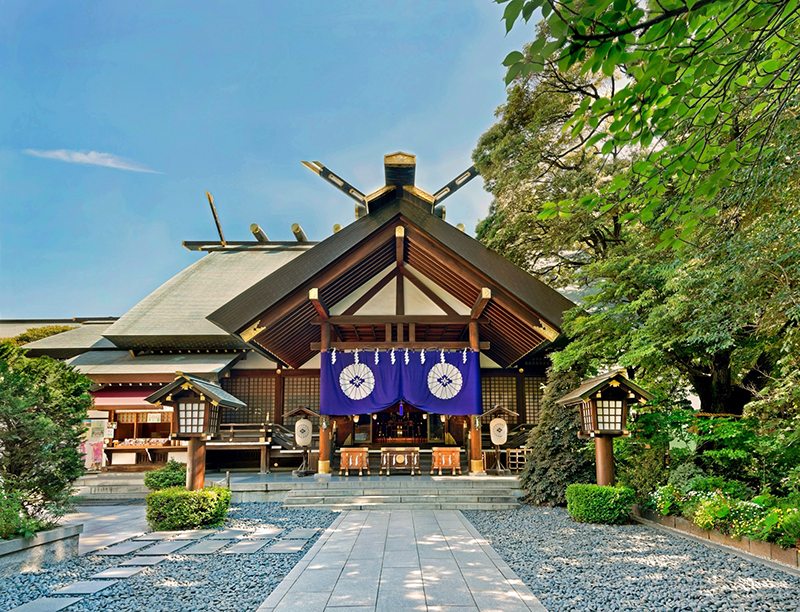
{"x":604,"y":404}
{"x":196,"y":403}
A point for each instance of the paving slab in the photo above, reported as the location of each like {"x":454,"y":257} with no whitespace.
{"x":205,"y":548}
{"x":158,"y":535}
{"x":85,"y":587}
{"x":245,"y":547}
{"x":230,"y":534}
{"x":287,"y":546}
{"x":196,"y":534}
{"x":117,"y":572}
{"x":143,"y":561}
{"x":301,"y":534}
{"x":399,"y":561}
{"x":47,"y":604}
{"x":164,"y":548}
{"x":266,"y":533}
{"x":125,"y":548}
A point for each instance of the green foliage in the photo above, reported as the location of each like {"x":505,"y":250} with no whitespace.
{"x":173,"y":474}
{"x":14,"y":521}
{"x":681,"y":477}
{"x":43,"y":403}
{"x":587,"y":503}
{"x":559,"y":457}
{"x":705,"y":85}
{"x":791,"y":528}
{"x":177,"y":508}
{"x":731,"y":517}
{"x":37,"y":333}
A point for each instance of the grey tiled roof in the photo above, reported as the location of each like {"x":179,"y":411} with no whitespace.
{"x":88,"y":336}
{"x":122,"y":362}
{"x":591,"y":385}
{"x":207,"y":388}
{"x":174,"y":315}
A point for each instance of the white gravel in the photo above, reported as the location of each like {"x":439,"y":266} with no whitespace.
{"x":226,"y":582}
{"x":573,"y":566}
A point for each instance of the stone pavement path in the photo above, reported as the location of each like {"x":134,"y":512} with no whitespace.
{"x":402,"y":560}
{"x":106,"y":525}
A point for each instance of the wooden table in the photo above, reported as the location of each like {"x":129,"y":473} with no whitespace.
{"x":399,"y":458}
{"x":447,"y":457}
{"x":354,"y":459}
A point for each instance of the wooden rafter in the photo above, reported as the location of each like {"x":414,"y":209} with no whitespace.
{"x":483,"y":299}
{"x":319,"y":305}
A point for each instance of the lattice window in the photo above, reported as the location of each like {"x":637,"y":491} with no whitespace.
{"x":609,"y":414}
{"x":533,"y":397}
{"x":257,"y":393}
{"x":126,"y":417}
{"x":499,"y":390}
{"x":300,"y":391}
{"x":191,"y":417}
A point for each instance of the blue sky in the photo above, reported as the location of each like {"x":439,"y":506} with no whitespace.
{"x":118,"y":116}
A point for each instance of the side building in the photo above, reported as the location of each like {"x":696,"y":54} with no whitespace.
{"x":258,"y":318}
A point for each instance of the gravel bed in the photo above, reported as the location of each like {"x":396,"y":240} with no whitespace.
{"x":239,"y":582}
{"x":574,"y":566}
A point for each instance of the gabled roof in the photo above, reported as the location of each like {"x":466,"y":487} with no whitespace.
{"x":114,"y":366}
{"x":200,"y":385}
{"x":173,"y":317}
{"x":441,"y":252}
{"x":89,"y":336}
{"x":591,"y":386}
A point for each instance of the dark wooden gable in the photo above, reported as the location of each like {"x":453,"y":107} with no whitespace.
{"x":276,"y":316}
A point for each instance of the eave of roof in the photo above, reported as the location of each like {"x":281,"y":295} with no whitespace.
{"x":590,"y":386}
{"x":111,"y":363}
{"x":89,"y":336}
{"x":202,"y":386}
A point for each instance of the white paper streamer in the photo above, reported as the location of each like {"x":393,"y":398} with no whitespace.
{"x":376,"y":357}
{"x":441,"y":356}
{"x":393,"y":357}
{"x":405,"y":358}
{"x":464,"y":356}
{"x":357,"y":356}
{"x":333,"y":355}
{"x":422,"y":356}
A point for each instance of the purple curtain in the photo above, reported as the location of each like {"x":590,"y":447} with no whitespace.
{"x":449,"y":386}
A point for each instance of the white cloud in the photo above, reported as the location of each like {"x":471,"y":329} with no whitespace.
{"x":92,"y":158}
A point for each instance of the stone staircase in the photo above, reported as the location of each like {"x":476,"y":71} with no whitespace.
{"x":111,"y":487}
{"x":408,"y":493}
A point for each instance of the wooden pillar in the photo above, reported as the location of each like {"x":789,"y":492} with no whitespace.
{"x":324,"y":462}
{"x":476,"y":458}
{"x":264,"y":459}
{"x":196,"y":464}
{"x":604,"y":452}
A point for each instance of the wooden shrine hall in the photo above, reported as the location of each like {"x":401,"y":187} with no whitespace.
{"x":397,"y":331}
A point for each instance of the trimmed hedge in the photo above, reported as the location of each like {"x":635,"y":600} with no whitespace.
{"x":587,"y":503}
{"x":177,"y":508}
{"x":173,"y":474}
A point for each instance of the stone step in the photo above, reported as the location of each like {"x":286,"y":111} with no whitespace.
{"x":406,"y":482}
{"x":118,"y":488}
{"x":291,"y":501}
{"x":111,"y":496}
{"x":413,"y":506}
{"x":405,"y":491}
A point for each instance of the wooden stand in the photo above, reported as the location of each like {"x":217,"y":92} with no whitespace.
{"x":446,"y":458}
{"x":604,"y":452}
{"x":354,"y":459}
{"x":497,"y":468}
{"x":196,"y":464}
{"x":399,"y":459}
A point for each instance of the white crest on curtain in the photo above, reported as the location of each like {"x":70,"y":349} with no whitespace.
{"x":444,"y":380}
{"x":357,"y":381}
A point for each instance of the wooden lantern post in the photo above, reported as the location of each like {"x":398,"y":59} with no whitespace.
{"x":604,"y":404}
{"x":196,"y":404}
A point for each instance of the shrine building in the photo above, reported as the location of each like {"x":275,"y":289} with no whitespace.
{"x":397,"y":330}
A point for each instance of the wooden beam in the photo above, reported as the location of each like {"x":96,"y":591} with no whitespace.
{"x":483,"y":299}
{"x":388,"y":332}
{"x":474,"y":336}
{"x":427,"y":292}
{"x":433,"y":344}
{"x":383,"y":319}
{"x":399,"y":244}
{"x":400,"y":333}
{"x":412,"y":332}
{"x":400,"y":297}
{"x":319,"y":305}
{"x":371,"y":293}
{"x":326,"y":337}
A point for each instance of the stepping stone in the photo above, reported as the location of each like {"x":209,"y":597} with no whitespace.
{"x":301,"y":534}
{"x":287,"y":546}
{"x":230,"y":534}
{"x":47,"y":604}
{"x":164,"y":548}
{"x":85,"y":587}
{"x":117,"y":572}
{"x":246,"y":547}
{"x":265,"y":533}
{"x":158,"y":535}
{"x":206,"y":548}
{"x":142,"y":561}
{"x":197,"y":534}
{"x":125,"y":548}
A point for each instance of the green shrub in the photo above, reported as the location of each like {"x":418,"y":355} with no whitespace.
{"x":731,"y":488}
{"x":177,"y":508}
{"x":596,"y":504}
{"x":732,"y":517}
{"x":13,"y":519}
{"x":173,"y":474}
{"x":791,"y":529}
{"x":682,"y":476}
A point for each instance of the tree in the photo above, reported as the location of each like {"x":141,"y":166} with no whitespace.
{"x":37,"y":333}
{"x":558,"y":456}
{"x":43,"y":403}
{"x":707,"y":82}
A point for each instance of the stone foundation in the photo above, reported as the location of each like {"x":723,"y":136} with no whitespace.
{"x":22,"y":555}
